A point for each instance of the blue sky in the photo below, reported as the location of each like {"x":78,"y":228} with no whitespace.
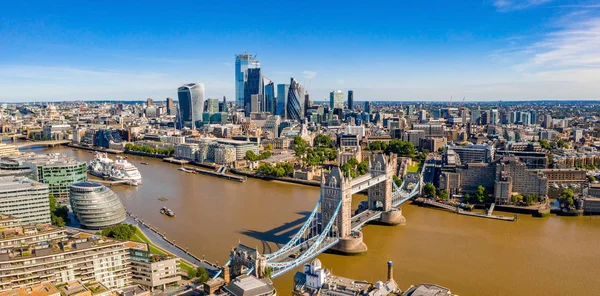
{"x":383,"y":50}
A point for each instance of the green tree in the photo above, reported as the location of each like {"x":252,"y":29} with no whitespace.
{"x":268,"y":272}
{"x":192,"y":273}
{"x":202,"y":275}
{"x":323,"y":141}
{"x":544,"y":144}
{"x":562,"y":144}
{"x":119,"y":231}
{"x":251,"y":156}
{"x":429,"y":190}
{"x":517,"y":198}
{"x":299,"y":146}
{"x":443,"y":195}
{"x":401,"y":148}
{"x":269,"y":147}
{"x":568,"y":197}
{"x":591,"y":178}
{"x":467,"y":197}
{"x":59,"y":214}
{"x":480,"y":194}
{"x":397,"y":181}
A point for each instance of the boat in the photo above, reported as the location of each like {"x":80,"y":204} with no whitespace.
{"x":144,"y":163}
{"x":119,"y":170}
{"x":163,"y":198}
{"x":166,"y":211}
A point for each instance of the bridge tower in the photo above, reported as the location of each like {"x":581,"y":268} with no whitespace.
{"x":244,"y":259}
{"x":335,"y":188}
{"x":380,"y":195}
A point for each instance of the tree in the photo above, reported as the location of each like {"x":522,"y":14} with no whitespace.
{"x":299,"y":146}
{"x":352,"y":168}
{"x":467,"y":197}
{"x":562,"y":144}
{"x":202,"y":275}
{"x":544,"y":144}
{"x":119,"y":231}
{"x":269,"y":147}
{"x":480,"y":194}
{"x":443,"y":194}
{"x":192,"y":273}
{"x":397,"y":181}
{"x":402,"y":148}
{"x":251,"y":156}
{"x":268,"y":272}
{"x":517,"y":198}
{"x":429,"y":189}
{"x":568,"y":197}
{"x":323,"y":141}
{"x":591,"y":178}
{"x":59,"y":214}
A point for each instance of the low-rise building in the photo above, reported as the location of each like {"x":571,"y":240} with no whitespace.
{"x":153,"y":271}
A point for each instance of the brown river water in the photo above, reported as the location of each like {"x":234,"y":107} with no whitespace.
{"x":469,"y":255}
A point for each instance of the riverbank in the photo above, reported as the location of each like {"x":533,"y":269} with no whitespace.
{"x":271,"y":178}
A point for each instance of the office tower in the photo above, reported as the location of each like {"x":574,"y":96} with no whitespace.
{"x":476,"y":116}
{"x":485,"y":117}
{"x":223,"y":105}
{"x":525,"y":118}
{"x":170,"y":106}
{"x":351,"y":100}
{"x":547,"y":123}
{"x":25,"y":199}
{"x":212,"y":105}
{"x":295,"y":102}
{"x":533,"y":118}
{"x":149,"y":102}
{"x":254,"y":86}
{"x":270,"y":101}
{"x":191,"y":104}
{"x":410,"y":109}
{"x":422,"y":115}
{"x":577,"y":135}
{"x":368,"y":107}
{"x":282,"y":94}
{"x":242,"y":63}
{"x":307,"y":103}
{"x":336,"y":100}
{"x":494,"y":119}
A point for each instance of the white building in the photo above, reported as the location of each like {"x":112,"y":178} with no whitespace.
{"x":25,"y":199}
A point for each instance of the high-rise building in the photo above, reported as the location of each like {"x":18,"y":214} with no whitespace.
{"x":269,"y":95}
{"x":547,"y":123}
{"x":307,"y":103}
{"x":336,"y":100}
{"x":191,"y":104}
{"x":212,"y":105}
{"x":170,"y":106}
{"x":368,"y":107}
{"x":494,"y":118}
{"x":149,"y":102}
{"x":25,"y":199}
{"x":525,"y":118}
{"x":282,"y":94}
{"x":242,"y":63}
{"x":533,"y":118}
{"x":253,"y":86}
{"x":351,"y":100}
{"x":295,"y":103}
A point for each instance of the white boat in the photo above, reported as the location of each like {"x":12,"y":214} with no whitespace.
{"x":119,"y":170}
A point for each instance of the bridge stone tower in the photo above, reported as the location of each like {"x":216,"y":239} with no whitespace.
{"x":380,"y":195}
{"x":335,"y":187}
{"x":244,"y":256}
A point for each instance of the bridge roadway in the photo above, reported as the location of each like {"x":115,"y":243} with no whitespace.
{"x":42,"y":143}
{"x":357,"y":220}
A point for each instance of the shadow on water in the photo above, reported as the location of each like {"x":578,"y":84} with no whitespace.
{"x":279,"y":235}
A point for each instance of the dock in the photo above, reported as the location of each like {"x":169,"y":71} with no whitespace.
{"x":175,"y":160}
{"x":220,"y":173}
{"x":458,"y":210}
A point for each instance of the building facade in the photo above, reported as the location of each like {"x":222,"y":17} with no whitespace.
{"x":25,"y":199}
{"x":95,"y":205}
{"x":191,"y":104}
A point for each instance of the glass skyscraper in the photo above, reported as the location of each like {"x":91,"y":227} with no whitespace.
{"x":270,"y":97}
{"x":336,"y":100}
{"x":191,"y":104}
{"x":351,"y":100}
{"x":242,"y":63}
{"x":282,"y":94}
{"x":253,"y":86}
{"x":295,"y":101}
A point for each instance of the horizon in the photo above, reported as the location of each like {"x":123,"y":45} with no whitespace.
{"x":485,"y":51}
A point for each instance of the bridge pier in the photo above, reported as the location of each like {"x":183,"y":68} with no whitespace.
{"x":350,"y":245}
{"x":393,"y":217}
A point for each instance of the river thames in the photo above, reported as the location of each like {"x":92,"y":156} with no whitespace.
{"x":471,"y":256}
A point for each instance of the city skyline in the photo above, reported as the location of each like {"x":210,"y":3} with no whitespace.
{"x":484,"y":51}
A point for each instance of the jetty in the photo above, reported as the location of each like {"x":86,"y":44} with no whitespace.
{"x":220,"y":173}
{"x":458,"y":210}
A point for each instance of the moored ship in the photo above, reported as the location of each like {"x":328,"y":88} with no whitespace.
{"x":119,"y":170}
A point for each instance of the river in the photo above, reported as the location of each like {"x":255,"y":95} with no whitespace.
{"x":471,"y":256}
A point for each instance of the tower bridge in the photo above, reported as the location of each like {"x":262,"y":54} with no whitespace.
{"x":331,"y":225}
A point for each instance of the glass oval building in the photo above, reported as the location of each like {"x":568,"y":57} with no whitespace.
{"x":95,"y":205}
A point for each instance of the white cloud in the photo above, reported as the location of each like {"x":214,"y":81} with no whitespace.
{"x":512,"y":5}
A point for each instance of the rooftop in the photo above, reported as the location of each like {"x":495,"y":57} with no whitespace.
{"x":12,"y":183}
{"x":43,"y":289}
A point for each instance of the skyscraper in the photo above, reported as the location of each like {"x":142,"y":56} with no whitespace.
{"x":212,"y":105}
{"x":336,"y":100}
{"x":282,"y":95}
{"x":295,"y":102}
{"x":149,"y":102}
{"x":170,"y":106}
{"x":351,"y":100}
{"x":191,"y":104}
{"x":253,"y":86}
{"x":494,"y":118}
{"x":368,"y":107}
{"x":269,"y":96}
{"x":242,"y":63}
